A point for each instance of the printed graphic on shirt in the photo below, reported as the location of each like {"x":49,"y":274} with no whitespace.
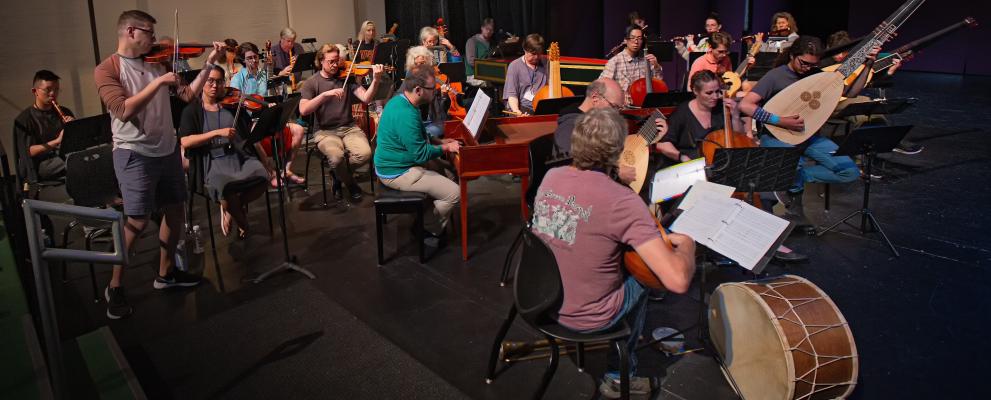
{"x":558,"y":217}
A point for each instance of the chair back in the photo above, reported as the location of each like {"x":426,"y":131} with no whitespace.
{"x":537,"y":289}
{"x":541,"y":150}
{"x":90,"y":178}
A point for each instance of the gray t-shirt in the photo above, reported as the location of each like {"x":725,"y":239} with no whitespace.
{"x":332,"y":113}
{"x":773,"y":82}
{"x":523,"y":82}
{"x":566,"y":121}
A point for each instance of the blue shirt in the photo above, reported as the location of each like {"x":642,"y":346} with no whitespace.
{"x":251,"y":84}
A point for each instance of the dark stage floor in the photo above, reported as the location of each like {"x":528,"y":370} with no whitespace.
{"x":415,"y":330}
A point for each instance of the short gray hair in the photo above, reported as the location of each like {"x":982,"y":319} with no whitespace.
{"x":597,"y":140}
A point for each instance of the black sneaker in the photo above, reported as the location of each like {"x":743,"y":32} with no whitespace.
{"x":117,"y":306}
{"x":355,"y":192}
{"x":176,"y":278}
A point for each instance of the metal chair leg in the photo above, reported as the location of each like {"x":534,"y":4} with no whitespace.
{"x":268,"y":211}
{"x":92,"y":270}
{"x":545,"y":382}
{"x":497,"y":343}
{"x":580,"y":356}
{"x":624,"y":370}
{"x":378,"y":235}
{"x":420,"y":235}
{"x":65,"y":244}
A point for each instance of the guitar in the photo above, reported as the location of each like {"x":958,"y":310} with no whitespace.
{"x":553,"y":89}
{"x":636,"y":149}
{"x":906,"y":51}
{"x":815,"y":97}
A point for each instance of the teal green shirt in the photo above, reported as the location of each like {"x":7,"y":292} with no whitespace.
{"x":402,"y":139}
{"x":476,"y":47}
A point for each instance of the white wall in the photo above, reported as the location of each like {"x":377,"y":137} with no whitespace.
{"x":55,"y":35}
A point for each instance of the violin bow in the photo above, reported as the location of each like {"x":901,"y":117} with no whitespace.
{"x":175,"y":46}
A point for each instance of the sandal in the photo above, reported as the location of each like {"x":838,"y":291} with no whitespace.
{"x":225,"y":221}
{"x":299,"y":180}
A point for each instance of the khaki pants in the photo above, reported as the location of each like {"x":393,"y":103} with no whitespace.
{"x":333,"y":142}
{"x":445,"y":192}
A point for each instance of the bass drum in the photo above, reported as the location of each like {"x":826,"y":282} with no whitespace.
{"x":782,"y":338}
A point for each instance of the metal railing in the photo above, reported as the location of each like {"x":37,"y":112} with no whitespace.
{"x":41,"y":254}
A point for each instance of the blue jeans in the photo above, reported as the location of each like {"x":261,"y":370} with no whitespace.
{"x":634,"y":310}
{"x":827,"y":169}
{"x":434,"y":130}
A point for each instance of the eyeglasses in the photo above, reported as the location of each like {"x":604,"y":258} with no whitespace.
{"x":148,"y":31}
{"x":804,"y":63}
{"x":611,"y":104}
{"x":47,"y":90}
{"x":636,"y":38}
{"x":251,"y":58}
{"x":217,"y":82}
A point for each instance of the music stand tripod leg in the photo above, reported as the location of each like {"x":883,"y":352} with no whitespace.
{"x":290,"y":262}
{"x":884,"y":237}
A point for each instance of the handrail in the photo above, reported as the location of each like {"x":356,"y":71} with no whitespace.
{"x":41,"y":254}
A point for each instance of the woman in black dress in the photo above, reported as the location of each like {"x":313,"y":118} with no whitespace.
{"x":693,"y":120}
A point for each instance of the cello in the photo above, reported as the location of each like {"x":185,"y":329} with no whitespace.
{"x":727,"y":138}
{"x":553,"y":89}
{"x":639,"y":89}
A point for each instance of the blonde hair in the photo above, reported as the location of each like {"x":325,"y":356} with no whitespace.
{"x":287,"y":32}
{"x":428,"y":32}
{"x":361,"y":30}
{"x":597,"y":140}
{"x":413,"y":52}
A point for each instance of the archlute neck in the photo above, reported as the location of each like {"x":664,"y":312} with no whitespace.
{"x":881,"y":34}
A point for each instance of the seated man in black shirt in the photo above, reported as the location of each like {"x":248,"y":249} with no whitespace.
{"x":38,"y":132}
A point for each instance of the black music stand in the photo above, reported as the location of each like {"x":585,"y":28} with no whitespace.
{"x":392,"y":54}
{"x":455,"y":71}
{"x":663,"y":50}
{"x":869,"y":141}
{"x":81,"y":134}
{"x":507,"y":49}
{"x":876,"y":107}
{"x":554,"y":106}
{"x":669,"y":99}
{"x":756,"y":169}
{"x":304,"y":62}
{"x":271,"y":122}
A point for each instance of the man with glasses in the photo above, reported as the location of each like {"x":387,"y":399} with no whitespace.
{"x":38,"y":132}
{"x":630,"y":65}
{"x":325,"y":95}
{"x":146,"y":152}
{"x":404,"y":147}
{"x":803,"y":57}
{"x":601,"y":93}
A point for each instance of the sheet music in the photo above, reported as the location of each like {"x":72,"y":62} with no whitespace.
{"x":703,"y":189}
{"x":731,"y":227}
{"x":476,"y":114}
{"x":675,"y":180}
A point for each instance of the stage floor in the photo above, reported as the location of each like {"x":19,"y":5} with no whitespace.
{"x":415,"y":330}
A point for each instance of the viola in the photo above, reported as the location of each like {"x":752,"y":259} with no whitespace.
{"x":162,"y":53}
{"x":233,"y":96}
{"x":452,"y":90}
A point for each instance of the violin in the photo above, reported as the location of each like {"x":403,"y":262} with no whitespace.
{"x":234,"y":97}
{"x":358,"y":69}
{"x":161,"y":53}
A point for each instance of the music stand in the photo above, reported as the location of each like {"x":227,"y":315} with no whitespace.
{"x":877,"y":107}
{"x":669,"y":99}
{"x":392,"y":54}
{"x":756,"y":169}
{"x":869,"y":141}
{"x":507,"y":49}
{"x":81,"y":134}
{"x":554,"y":106}
{"x":455,"y":71}
{"x":305,"y":62}
{"x":189,"y":76}
{"x":663,"y":50}
{"x":271,"y":122}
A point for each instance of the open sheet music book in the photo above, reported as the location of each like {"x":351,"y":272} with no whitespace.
{"x":476,"y":114}
{"x":731,"y":227}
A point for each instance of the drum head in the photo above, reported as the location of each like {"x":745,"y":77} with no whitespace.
{"x":749,"y":341}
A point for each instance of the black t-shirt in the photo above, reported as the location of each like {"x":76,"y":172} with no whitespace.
{"x":685,"y":131}
{"x":33,"y":127}
{"x":566,"y":121}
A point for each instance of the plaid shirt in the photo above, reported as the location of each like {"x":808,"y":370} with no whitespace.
{"x":626,"y":69}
